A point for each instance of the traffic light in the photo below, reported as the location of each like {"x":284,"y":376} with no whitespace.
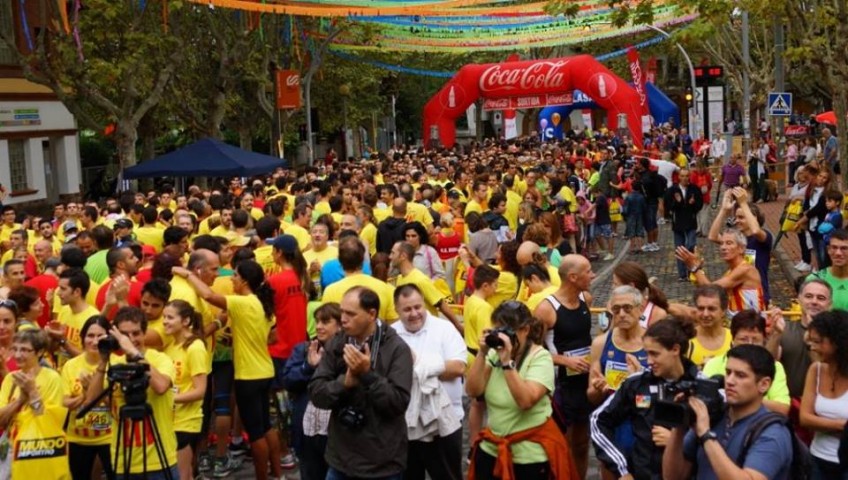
{"x":689,"y":97}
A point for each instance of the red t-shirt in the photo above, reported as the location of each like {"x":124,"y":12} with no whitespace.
{"x":290,"y":310}
{"x":448,"y":247}
{"x":144,"y":275}
{"x":43,"y":283}
{"x":133,"y":297}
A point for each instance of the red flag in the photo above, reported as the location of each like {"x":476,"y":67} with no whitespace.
{"x":638,"y":78}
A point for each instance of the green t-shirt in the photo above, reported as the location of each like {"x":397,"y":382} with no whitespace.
{"x":839,"y":286}
{"x":310,"y":317}
{"x":778,"y":392}
{"x":504,"y":415}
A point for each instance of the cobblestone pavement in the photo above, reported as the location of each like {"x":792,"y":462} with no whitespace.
{"x":661,"y":265}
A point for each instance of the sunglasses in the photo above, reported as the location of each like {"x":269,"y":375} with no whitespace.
{"x":10,"y":304}
{"x":616,"y":309}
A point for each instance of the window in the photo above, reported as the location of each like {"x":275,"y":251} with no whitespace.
{"x":7,"y":30}
{"x":17,"y":165}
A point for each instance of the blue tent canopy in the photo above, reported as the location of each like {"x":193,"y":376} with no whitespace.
{"x":206,"y":158}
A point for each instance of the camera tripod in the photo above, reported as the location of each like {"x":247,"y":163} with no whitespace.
{"x":136,"y":416}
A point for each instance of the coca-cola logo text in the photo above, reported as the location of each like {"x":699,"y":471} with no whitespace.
{"x":636,"y":71}
{"x":539,"y":75}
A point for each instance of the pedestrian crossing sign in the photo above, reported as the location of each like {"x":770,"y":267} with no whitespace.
{"x":780,"y":104}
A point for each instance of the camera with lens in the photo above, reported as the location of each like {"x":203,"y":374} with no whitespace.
{"x":108,"y":344}
{"x":672,"y":409}
{"x":493,"y":340}
{"x":133,"y":379}
{"x":352,"y":418}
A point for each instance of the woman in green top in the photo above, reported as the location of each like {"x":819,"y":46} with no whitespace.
{"x":515,"y":380}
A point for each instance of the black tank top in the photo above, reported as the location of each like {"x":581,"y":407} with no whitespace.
{"x":572,"y":337}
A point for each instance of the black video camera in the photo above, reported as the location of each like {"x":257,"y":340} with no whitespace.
{"x":108,"y":344}
{"x":133,"y":379}
{"x":493,"y":340}
{"x":670,"y":413}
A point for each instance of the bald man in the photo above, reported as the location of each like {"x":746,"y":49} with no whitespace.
{"x":568,"y":322}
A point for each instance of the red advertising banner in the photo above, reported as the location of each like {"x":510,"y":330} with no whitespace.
{"x":639,"y":78}
{"x":528,"y":101}
{"x":288,"y":89}
{"x":795,"y":130}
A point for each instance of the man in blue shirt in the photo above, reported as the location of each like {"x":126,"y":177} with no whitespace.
{"x":713,"y":453}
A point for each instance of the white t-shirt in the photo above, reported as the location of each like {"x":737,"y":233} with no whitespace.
{"x":666,"y":169}
{"x":438,"y":336}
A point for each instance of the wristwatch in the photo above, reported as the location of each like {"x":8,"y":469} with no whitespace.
{"x":710,"y":435}
{"x":510,"y":365}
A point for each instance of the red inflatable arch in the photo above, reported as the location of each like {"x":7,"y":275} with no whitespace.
{"x":531,"y":84}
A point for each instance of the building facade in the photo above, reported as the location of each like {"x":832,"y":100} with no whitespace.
{"x":39,"y":143}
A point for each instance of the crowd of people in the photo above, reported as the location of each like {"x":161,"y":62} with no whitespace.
{"x":352,"y":319}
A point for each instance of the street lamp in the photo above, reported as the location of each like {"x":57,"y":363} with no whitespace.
{"x":688,"y":60}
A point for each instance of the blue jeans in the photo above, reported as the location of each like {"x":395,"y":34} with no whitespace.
{"x":824,"y":470}
{"x":687,"y":239}
{"x":333,"y":474}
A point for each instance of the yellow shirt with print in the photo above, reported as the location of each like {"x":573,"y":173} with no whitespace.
{"x":95,"y":428}
{"x":182,"y":290}
{"x":300,"y":234}
{"x":49,"y":385}
{"x":369,"y":236}
{"x":476,"y":317}
{"x":188,"y":362}
{"x":416,"y":212}
{"x":163,"y":412}
{"x":335,"y":292}
{"x":250,"y":337}
{"x":432,"y":296}
{"x":74,"y":322}
{"x":152,"y":236}
{"x":265,"y":258}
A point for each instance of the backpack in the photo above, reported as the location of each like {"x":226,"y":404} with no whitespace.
{"x":802,"y":461}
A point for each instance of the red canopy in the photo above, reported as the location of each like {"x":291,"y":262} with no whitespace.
{"x":827,"y":117}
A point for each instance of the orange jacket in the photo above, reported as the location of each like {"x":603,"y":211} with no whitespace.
{"x":547,"y":434}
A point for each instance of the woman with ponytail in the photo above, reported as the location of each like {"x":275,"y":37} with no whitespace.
{"x":666,"y":344}
{"x":191,"y":360}
{"x":250,"y":312}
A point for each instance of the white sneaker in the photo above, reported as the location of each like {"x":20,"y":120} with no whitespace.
{"x":798,"y":265}
{"x":660,"y":221}
{"x":803,"y":267}
{"x":655,"y":247}
{"x":608,"y":257}
{"x":646,"y":247}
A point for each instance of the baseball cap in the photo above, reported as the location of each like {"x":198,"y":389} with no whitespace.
{"x":69,"y":225}
{"x":285,"y":244}
{"x":123,"y":223}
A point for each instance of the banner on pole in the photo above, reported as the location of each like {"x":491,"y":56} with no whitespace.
{"x":288,"y":89}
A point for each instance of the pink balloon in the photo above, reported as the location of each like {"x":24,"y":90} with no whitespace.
{"x":543,"y":122}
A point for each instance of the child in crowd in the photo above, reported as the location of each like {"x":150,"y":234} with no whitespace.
{"x":832,"y":221}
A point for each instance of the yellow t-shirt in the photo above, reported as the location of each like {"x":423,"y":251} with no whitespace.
{"x":95,"y":428}
{"x":369,"y":236}
{"x":74,"y":322}
{"x":335,"y":292}
{"x":182,"y":290}
{"x":159,"y":327}
{"x":56,"y":243}
{"x":321,"y":257}
{"x":473,"y":206}
{"x":250,"y":337}
{"x":506,"y":290}
{"x":150,"y":236}
{"x":188,"y":362}
{"x":381,"y":214}
{"x":6,"y":231}
{"x":415,"y":212}
{"x":513,"y":200}
{"x":219,"y":231}
{"x":265,"y":258}
{"x":300,"y":234}
{"x":700,"y":355}
{"x":524,"y":291}
{"x":476,"y":317}
{"x":49,"y":385}
{"x":536,"y":298}
{"x":432,"y":296}
{"x":323,"y":207}
{"x":256,"y":214}
{"x":163,"y":413}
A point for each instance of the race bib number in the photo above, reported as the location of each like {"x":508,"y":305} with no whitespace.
{"x":751,"y":256}
{"x":579,"y":352}
{"x":98,"y":419}
{"x":616,"y":373}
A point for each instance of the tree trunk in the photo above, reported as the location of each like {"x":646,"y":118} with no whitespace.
{"x":215,"y":116}
{"x":126,"y":136}
{"x":307,"y":97}
{"x":840,"y":109}
{"x":245,"y":138}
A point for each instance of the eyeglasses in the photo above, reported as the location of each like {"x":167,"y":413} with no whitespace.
{"x":615,"y":309}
